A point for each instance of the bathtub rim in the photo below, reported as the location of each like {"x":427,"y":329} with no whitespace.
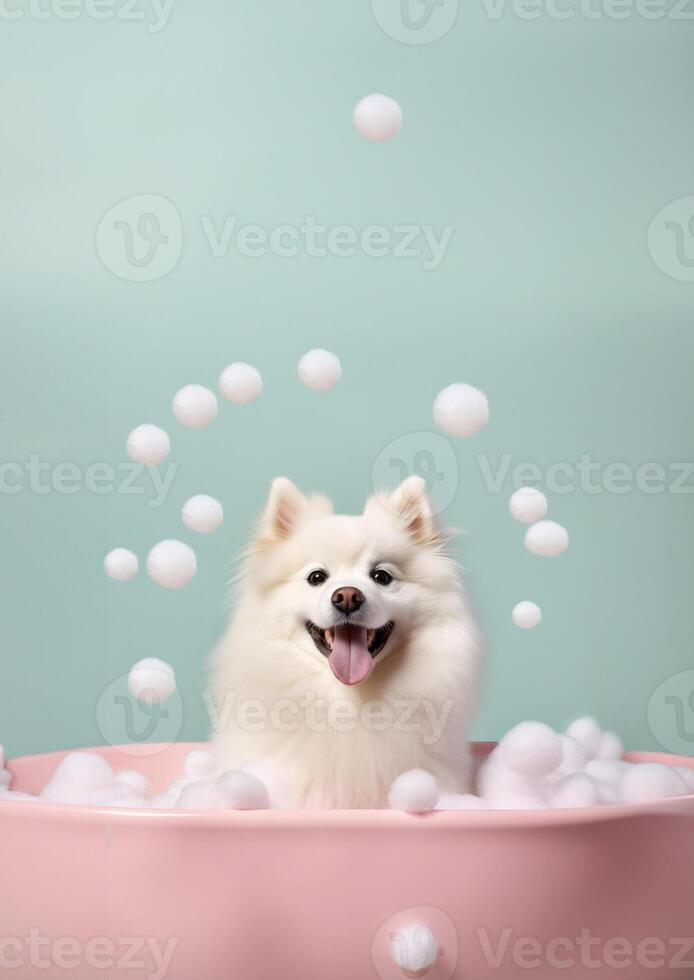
{"x":315,"y":819}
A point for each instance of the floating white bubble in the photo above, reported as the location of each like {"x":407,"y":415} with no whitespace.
{"x":202,"y":514}
{"x":546,"y":538}
{"x":377,"y":117}
{"x":528,"y":505}
{"x":319,"y":369}
{"x":121,"y":564}
{"x":526,"y":614}
{"x":171,"y":564}
{"x":240,"y":383}
{"x":148,"y":444}
{"x":152,"y":680}
{"x":195,"y":406}
{"x":461,"y":410}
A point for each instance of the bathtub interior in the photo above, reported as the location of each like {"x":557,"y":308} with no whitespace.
{"x":161,"y":763}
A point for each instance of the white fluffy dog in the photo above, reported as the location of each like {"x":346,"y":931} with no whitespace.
{"x":352,"y":655}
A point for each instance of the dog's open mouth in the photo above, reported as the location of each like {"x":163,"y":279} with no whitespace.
{"x":350,"y":649}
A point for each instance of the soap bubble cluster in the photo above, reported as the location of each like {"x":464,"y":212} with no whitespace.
{"x":87,"y":779}
{"x":171,"y":563}
{"x":545,"y":538}
{"x":536,"y":768}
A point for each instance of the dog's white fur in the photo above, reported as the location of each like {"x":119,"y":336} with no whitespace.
{"x":280,"y":710}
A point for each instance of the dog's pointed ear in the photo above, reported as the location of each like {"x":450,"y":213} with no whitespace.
{"x":411,"y":507}
{"x":286,"y":507}
{"x":283,"y":510}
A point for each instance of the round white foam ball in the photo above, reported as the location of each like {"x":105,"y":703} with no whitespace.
{"x":195,"y":406}
{"x":531,"y":748}
{"x":121,"y":564}
{"x":610,"y":771}
{"x":414,"y":947}
{"x":607,"y":792}
{"x":415,"y":791}
{"x":78,"y":776}
{"x":461,"y":410}
{"x":121,"y":795}
{"x":240,"y":383}
{"x":526,"y":614}
{"x":546,"y":538}
{"x":528,"y":505}
{"x":650,"y":781}
{"x":148,"y":444}
{"x":319,"y":369}
{"x":588,"y":734}
{"x":513,"y":800}
{"x":611,"y":746}
{"x":171,"y":563}
{"x":461,"y":801}
{"x":137,"y":781}
{"x":377,"y":117}
{"x":202,"y":514}
{"x":167,"y":799}
{"x":199,"y":763}
{"x":243,"y":791}
{"x":687,"y":776}
{"x":573,"y":757}
{"x":577,"y":790}
{"x":152,"y":680}
{"x":201,"y":796}
{"x":504,"y":789}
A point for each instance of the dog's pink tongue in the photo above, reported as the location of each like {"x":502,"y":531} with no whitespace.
{"x":350,"y":660}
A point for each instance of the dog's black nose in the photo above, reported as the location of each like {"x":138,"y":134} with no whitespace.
{"x":347,"y":600}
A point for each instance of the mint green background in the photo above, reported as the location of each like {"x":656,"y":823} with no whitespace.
{"x":547,"y":145}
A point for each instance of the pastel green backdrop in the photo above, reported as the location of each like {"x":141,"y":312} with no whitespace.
{"x":546,"y":145}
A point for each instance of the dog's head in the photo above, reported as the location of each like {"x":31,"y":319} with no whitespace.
{"x":349,"y":591}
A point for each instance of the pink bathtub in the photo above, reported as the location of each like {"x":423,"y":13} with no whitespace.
{"x":88,"y":892}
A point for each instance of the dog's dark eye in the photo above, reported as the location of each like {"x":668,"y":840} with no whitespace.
{"x":317,"y":577}
{"x":381,"y":576}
